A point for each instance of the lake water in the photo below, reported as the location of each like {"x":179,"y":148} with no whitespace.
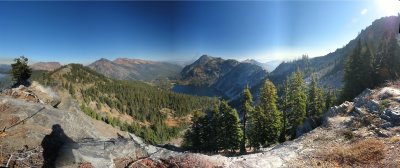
{"x":2,"y":75}
{"x":197,"y":90}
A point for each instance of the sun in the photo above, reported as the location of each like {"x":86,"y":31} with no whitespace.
{"x":388,"y":7}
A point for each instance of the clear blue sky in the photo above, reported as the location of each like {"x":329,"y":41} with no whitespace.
{"x":264,"y":30}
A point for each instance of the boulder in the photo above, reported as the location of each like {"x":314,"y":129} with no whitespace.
{"x":336,"y":110}
{"x":394,"y":115}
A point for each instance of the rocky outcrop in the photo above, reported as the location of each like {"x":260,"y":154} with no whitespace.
{"x":34,"y":93}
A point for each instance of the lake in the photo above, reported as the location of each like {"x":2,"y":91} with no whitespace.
{"x":2,"y":75}
{"x":197,"y":90}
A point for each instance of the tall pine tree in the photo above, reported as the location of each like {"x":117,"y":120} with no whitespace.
{"x":285,"y":109}
{"x":359,"y":71}
{"x":316,"y":103}
{"x":272,"y":114}
{"x":257,"y":132}
{"x":247,"y":104}
{"x":231,"y":133}
{"x":297,"y":100}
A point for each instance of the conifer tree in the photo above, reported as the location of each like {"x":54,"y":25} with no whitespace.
{"x":272,"y":115}
{"x":257,"y":131}
{"x":285,"y":108}
{"x":330,"y":99}
{"x":316,"y":103}
{"x":216,"y":126}
{"x":387,"y":60}
{"x":297,"y":100}
{"x":20,"y":71}
{"x":193,"y":137}
{"x":247,"y":104}
{"x":231,"y":133}
{"x":358,"y":72}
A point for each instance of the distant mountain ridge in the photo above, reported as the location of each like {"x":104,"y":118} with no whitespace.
{"x":228,"y":76}
{"x":269,"y":66}
{"x":5,"y":68}
{"x":136,"y":69}
{"x":45,"y":66}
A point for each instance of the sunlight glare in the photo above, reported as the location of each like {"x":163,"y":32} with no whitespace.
{"x":389,"y":7}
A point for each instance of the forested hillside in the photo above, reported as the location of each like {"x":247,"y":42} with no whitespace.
{"x":271,"y":120}
{"x":147,"y":111}
{"x":330,"y":68}
{"x":306,"y":91}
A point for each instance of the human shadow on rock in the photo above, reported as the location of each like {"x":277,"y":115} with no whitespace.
{"x":53,"y":144}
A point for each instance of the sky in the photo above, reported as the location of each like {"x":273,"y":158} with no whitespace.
{"x":82,"y":32}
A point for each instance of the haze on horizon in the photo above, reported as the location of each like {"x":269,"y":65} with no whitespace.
{"x":83,"y":32}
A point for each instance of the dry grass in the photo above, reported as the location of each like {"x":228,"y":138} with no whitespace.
{"x":394,"y":139}
{"x":364,"y":152}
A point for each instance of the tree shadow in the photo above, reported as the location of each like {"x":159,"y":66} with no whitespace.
{"x":54,"y":145}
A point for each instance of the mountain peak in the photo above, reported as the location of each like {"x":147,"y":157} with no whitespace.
{"x":103,"y":60}
{"x":204,"y":56}
{"x":252,"y":61}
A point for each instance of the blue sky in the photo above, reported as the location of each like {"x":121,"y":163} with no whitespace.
{"x":263,"y":30}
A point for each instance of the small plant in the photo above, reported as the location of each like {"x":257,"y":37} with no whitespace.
{"x":384,"y":104}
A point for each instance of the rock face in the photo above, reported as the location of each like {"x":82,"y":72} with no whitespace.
{"x":136,"y":69}
{"x":45,"y":66}
{"x":227,"y":76}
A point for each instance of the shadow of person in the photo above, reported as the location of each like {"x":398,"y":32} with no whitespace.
{"x":52,"y":145}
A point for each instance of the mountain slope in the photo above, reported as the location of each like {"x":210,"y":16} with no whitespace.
{"x":207,"y":70}
{"x":45,"y":66}
{"x":136,"y":69}
{"x":148,"y":111}
{"x":228,"y":76}
{"x":244,"y":74}
{"x":330,"y":68}
{"x":252,"y":61}
{"x":111,"y":69}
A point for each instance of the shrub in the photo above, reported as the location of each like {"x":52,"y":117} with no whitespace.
{"x":348,"y":134}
